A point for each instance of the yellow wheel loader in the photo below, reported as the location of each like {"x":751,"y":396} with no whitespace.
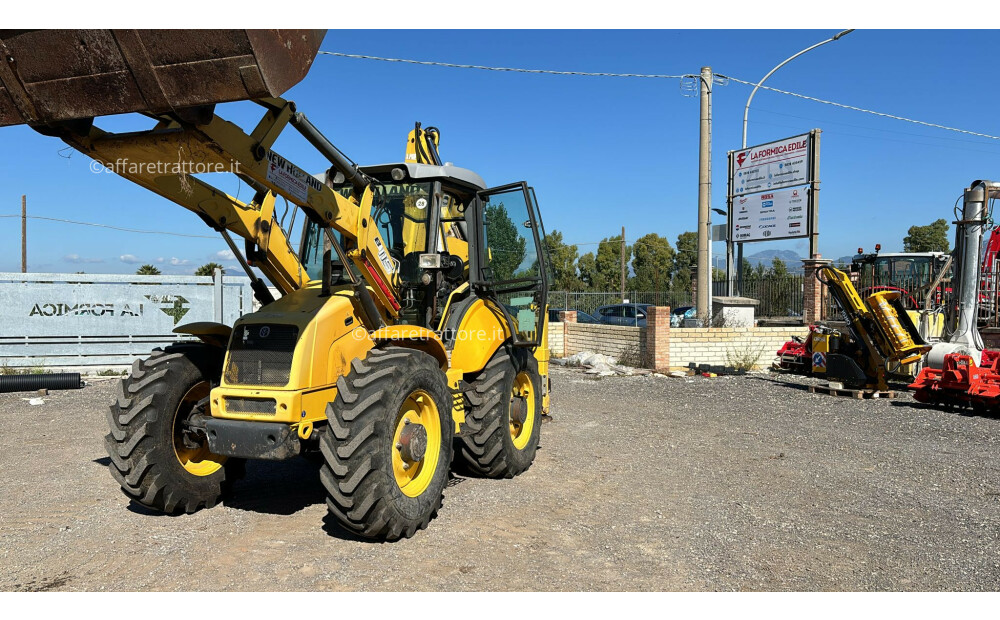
{"x":410,"y":327}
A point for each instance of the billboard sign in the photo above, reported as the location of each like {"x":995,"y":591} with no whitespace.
{"x":769,"y":216}
{"x":770,"y":166}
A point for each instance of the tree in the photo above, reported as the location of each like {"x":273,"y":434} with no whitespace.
{"x":147,"y":270}
{"x":930,"y":238}
{"x":588,"y":270}
{"x":506,"y":245}
{"x":562,"y":260}
{"x":778,"y":268}
{"x":609,"y":263}
{"x":208,"y":269}
{"x":653,"y":262}
{"x":686,"y":258}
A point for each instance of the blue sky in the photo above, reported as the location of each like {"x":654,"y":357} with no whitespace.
{"x":602,"y":153}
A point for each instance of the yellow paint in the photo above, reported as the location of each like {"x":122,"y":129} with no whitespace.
{"x":520,"y":434}
{"x":413,"y":476}
{"x":447,"y":307}
{"x":458,"y":405}
{"x":196,"y":461}
{"x":820,"y":343}
{"x":414,"y":337}
{"x":542,"y":355}
{"x":889,"y":313}
{"x":480,"y":333}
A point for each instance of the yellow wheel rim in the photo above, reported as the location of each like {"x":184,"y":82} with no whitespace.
{"x":196,"y":461}
{"x":416,"y":443}
{"x":520,"y":432}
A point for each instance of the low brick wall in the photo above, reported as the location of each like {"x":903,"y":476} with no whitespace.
{"x":556,"y":340}
{"x":718,"y":347}
{"x":613,"y":340}
{"x":664,"y":348}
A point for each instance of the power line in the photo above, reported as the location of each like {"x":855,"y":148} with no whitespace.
{"x":507,"y":69}
{"x":131,"y":230}
{"x":662,"y":76}
{"x":865,"y":110}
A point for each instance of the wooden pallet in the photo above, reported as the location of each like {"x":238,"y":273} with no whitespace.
{"x":858,"y":394}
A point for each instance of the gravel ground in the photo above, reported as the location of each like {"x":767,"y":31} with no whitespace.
{"x":641,"y":483}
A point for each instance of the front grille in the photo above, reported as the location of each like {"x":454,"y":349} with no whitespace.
{"x":261,"y":354}
{"x":251,"y":406}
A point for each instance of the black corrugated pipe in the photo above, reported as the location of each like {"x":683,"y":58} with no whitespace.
{"x":30,"y":383}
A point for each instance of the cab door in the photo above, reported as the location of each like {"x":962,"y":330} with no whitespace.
{"x":510,"y":269}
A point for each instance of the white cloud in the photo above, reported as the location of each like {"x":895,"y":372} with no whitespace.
{"x":129,"y":259}
{"x":160,"y":259}
{"x":177,"y":262}
{"x":76,"y":258}
{"x":223,"y":255}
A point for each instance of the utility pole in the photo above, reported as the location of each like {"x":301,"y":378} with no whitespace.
{"x":623,"y":264}
{"x":704,"y":196}
{"x":24,"y":234}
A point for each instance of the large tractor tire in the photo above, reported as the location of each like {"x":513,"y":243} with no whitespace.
{"x":505,"y":419}
{"x":388,"y":446}
{"x":158,"y":460}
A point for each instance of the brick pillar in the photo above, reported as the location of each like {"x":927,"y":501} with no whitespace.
{"x":812,"y":303}
{"x":658,"y":337}
{"x":566,"y":316}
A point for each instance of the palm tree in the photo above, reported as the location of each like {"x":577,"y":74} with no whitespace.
{"x":147,"y":270}
{"x":209,"y":269}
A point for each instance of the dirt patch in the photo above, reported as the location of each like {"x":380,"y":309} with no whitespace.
{"x":641,"y":483}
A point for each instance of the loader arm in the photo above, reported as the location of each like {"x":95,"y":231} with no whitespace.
{"x":164,"y":159}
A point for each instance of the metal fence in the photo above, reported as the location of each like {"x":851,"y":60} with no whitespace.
{"x":52,"y":319}
{"x":779,"y":296}
{"x":590,"y":301}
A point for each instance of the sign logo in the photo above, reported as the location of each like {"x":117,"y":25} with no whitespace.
{"x":742,"y":157}
{"x":819,"y":360}
{"x":265,"y":331}
{"x":766,"y":233}
{"x":173,"y":306}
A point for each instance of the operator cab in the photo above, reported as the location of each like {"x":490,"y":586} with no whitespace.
{"x":910,"y":273}
{"x":429,"y":217}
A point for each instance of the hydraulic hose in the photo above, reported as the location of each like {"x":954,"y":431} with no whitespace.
{"x":30,"y":383}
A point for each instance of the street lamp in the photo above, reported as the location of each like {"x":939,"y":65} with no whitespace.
{"x":746,"y":115}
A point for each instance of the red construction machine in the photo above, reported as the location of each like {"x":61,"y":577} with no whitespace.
{"x":960,"y":371}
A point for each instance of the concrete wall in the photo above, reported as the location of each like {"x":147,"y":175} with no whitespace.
{"x":718,"y":348}
{"x":84,"y":320}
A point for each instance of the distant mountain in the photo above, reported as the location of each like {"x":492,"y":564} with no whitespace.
{"x":791,"y":259}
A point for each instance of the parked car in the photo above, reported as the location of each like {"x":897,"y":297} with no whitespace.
{"x":677,"y":315}
{"x":581,"y":316}
{"x":633,"y":315}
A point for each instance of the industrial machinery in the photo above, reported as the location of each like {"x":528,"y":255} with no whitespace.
{"x":912,"y":274}
{"x":410,"y":320}
{"x":880,"y":338}
{"x":960,"y":371}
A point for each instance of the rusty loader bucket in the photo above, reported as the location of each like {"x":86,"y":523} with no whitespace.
{"x":48,"y":76}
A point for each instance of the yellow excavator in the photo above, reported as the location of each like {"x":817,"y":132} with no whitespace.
{"x":411,"y":322}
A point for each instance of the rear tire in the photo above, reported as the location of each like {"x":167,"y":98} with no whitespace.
{"x":368,"y":490}
{"x":147,"y":421}
{"x":496,"y":445}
